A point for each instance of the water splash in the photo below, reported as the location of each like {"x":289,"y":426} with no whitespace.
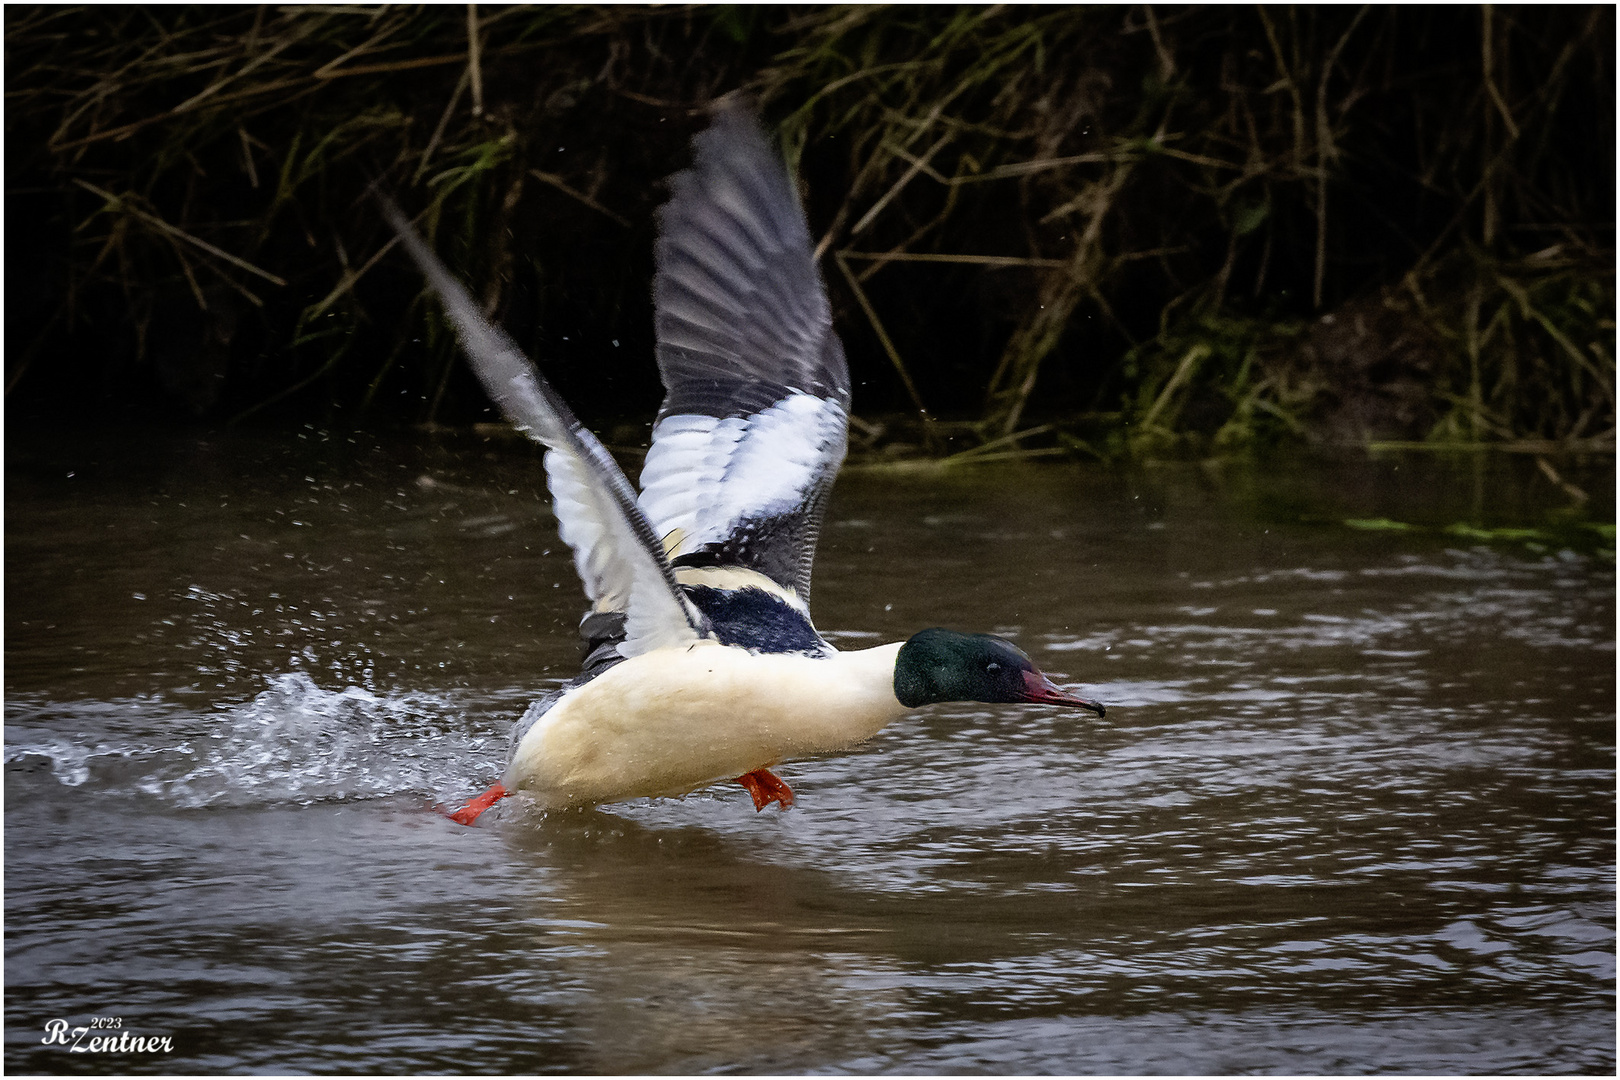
{"x":294,"y":743}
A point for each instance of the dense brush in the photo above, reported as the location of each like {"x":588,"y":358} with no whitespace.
{"x":1116,"y":230}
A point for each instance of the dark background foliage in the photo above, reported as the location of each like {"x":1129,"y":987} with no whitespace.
{"x":1104,"y":230}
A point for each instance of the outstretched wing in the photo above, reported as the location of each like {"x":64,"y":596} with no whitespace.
{"x":755,"y":420}
{"x":617,"y":554}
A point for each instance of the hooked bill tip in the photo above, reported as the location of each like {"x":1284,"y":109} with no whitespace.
{"x":1044,"y":690}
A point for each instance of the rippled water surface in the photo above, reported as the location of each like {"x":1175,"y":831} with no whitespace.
{"x":1351,"y":810}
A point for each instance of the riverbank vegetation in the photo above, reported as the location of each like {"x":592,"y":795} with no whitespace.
{"x":1051,"y":230}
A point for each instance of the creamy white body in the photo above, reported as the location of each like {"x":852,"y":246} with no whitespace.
{"x":674,"y":720}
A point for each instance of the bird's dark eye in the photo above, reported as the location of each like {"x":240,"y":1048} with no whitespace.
{"x":992,"y":668}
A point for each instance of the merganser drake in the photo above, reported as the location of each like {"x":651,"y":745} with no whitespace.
{"x":702,"y":663}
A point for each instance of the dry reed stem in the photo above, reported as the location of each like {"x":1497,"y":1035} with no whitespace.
{"x":563,"y":186}
{"x":1015,"y":375}
{"x":1189,"y":363}
{"x":917,"y":166}
{"x":438,"y":130}
{"x":392,"y":67}
{"x":922,"y":165}
{"x":883,"y":337}
{"x":474,"y":69}
{"x":1552,"y":474}
{"x":1326,"y":155}
{"x":116,"y":202}
{"x":275,"y":50}
{"x":1597,"y":444}
{"x":1007,"y":455}
{"x":350,"y":279}
{"x":369,"y":45}
{"x":988,"y":448}
{"x":972,"y":260}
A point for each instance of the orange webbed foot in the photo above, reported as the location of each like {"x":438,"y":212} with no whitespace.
{"x":766,"y":788}
{"x":469,"y":813}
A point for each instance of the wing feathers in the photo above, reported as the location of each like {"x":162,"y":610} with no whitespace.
{"x":755,"y":418}
{"x":754,"y":423}
{"x":619,"y":559}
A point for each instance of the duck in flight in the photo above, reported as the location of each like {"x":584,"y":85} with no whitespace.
{"x":702,"y":663}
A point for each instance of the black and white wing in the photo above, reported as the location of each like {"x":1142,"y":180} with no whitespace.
{"x":616,"y":552}
{"x":755,"y":419}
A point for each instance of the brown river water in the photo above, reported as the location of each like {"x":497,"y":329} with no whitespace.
{"x":1351,"y":810}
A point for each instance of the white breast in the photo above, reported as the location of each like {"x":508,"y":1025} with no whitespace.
{"x":673,"y":720}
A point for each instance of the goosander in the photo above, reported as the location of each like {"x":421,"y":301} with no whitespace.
{"x":701,"y":662}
